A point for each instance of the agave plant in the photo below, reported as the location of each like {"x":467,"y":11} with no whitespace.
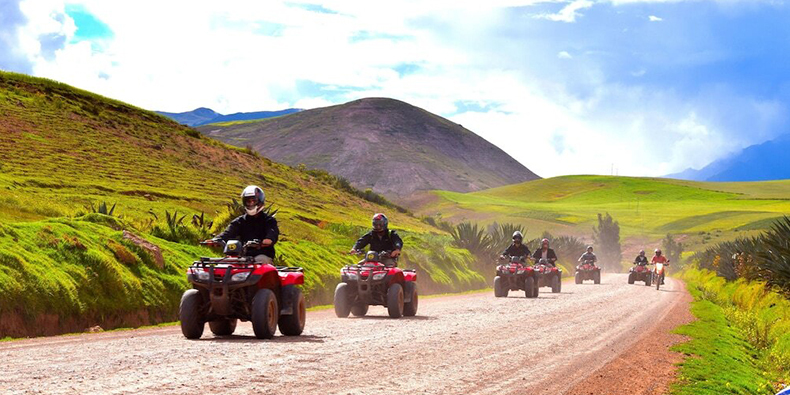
{"x":502,"y":234}
{"x":472,"y":237}
{"x":102,"y":209}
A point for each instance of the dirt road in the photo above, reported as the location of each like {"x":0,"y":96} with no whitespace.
{"x":471,"y":344}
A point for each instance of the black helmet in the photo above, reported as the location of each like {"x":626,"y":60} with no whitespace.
{"x":518,"y":235}
{"x":380,"y":222}
{"x":253,"y":199}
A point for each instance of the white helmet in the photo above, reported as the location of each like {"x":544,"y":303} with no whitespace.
{"x":253,"y":198}
{"x":518,"y":235}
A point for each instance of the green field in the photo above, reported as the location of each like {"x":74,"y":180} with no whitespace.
{"x":646,"y":208}
{"x":63,"y":268}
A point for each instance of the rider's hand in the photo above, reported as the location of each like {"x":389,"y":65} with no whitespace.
{"x":501,"y":257}
{"x":395,"y":253}
{"x":352,"y":252}
{"x":266,"y":242}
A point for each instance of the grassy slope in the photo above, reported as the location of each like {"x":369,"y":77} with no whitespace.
{"x":740,"y":343}
{"x":62,"y":149}
{"x":646,"y":207}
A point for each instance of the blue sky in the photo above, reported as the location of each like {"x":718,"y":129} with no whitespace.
{"x":566,"y":87}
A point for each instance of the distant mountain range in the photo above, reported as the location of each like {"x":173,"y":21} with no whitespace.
{"x":386,"y":145}
{"x":203,"y":116}
{"x":761,"y":162}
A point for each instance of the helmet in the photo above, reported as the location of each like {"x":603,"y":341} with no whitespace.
{"x":518,"y":235}
{"x":253,"y":199}
{"x":380,"y":222}
{"x":642,"y":252}
{"x":589,"y":248}
{"x":658,"y":251}
{"x":544,"y":241}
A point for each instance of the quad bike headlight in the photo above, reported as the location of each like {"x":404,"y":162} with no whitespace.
{"x":351,"y":276}
{"x":379,"y":276}
{"x":240,"y":276}
{"x":201,"y":274}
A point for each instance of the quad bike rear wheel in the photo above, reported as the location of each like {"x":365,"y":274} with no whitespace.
{"x":499,"y":288}
{"x":579,"y":278}
{"x":359,"y":309}
{"x":395,"y":300}
{"x":293,"y":325}
{"x":410,"y":309}
{"x":189,"y":314}
{"x":555,"y":284}
{"x":597,"y":277}
{"x":342,"y":302}
{"x":265,"y":314}
{"x":530,"y":290}
{"x":223,"y":327}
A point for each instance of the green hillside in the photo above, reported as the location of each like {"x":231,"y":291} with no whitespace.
{"x":647,"y":208}
{"x":63,"y":150}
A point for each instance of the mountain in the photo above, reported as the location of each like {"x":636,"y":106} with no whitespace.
{"x":761,"y":162}
{"x":203,"y":116}
{"x":66,"y":266}
{"x":386,"y":145}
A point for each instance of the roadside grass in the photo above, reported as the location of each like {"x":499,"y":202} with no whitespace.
{"x":740,"y":343}
{"x":63,"y":150}
{"x":644,"y":207}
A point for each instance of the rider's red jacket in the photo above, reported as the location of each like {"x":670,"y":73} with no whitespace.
{"x":659,"y":259}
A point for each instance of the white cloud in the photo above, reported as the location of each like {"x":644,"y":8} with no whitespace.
{"x":654,"y":18}
{"x":569,"y":13}
{"x":564,"y":55}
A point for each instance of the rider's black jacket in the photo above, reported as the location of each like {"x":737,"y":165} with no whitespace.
{"x":247,"y":227}
{"x":640,"y":260}
{"x":550,"y":255}
{"x":386,"y":241}
{"x":517,"y":250}
{"x":588,"y":256}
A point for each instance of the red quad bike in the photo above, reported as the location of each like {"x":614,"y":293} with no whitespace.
{"x":658,"y":273}
{"x":371,"y":282}
{"x":237,"y":288}
{"x":640,"y":273}
{"x":587,"y":270}
{"x":547,"y":275}
{"x":514,"y":275}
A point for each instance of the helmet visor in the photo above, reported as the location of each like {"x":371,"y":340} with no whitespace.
{"x":378,"y":225}
{"x":250,"y":202}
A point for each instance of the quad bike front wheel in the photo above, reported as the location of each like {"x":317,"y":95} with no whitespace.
{"x":410,"y":309}
{"x":341,"y":301}
{"x":631,"y":278}
{"x":293,"y":325}
{"x":578,"y":278}
{"x":648,"y":280}
{"x":395,"y":301}
{"x":597,"y":277}
{"x":530,"y":288}
{"x":499,"y":288}
{"x":555,"y":284}
{"x":189,"y":314}
{"x":223,"y":327}
{"x":265,"y":314}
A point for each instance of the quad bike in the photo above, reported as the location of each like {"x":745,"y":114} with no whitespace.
{"x":588,"y":270}
{"x":514,"y":275}
{"x":659,"y":272}
{"x":235,"y":287}
{"x":640,"y":273}
{"x":547,"y":275}
{"x":376,"y":280}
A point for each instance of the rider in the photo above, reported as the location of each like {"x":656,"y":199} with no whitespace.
{"x":588,"y":256}
{"x":641,"y":259}
{"x":545,"y":253}
{"x":658,"y":258}
{"x":254,"y":224}
{"x":380,"y":239}
{"x":517,"y":248}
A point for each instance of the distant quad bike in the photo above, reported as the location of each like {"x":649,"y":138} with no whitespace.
{"x":640,"y":273}
{"x":237,"y":288}
{"x":371,"y":282}
{"x":514,"y":275}
{"x":588,"y":270}
{"x":547,"y":275}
